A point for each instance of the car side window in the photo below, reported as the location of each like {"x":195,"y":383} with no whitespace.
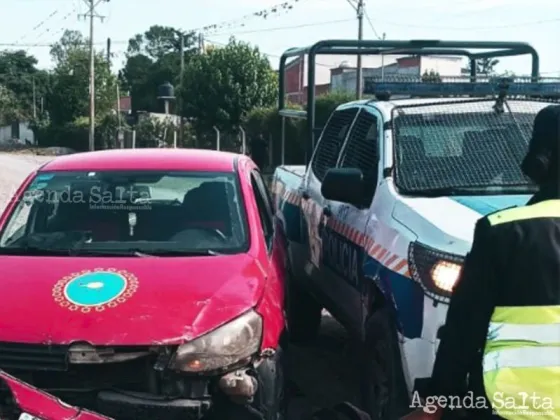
{"x":331,"y":141}
{"x":264,"y":205}
{"x":15,"y":228}
{"x":362,"y":151}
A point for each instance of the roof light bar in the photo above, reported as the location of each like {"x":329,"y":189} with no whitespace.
{"x":490,"y":88}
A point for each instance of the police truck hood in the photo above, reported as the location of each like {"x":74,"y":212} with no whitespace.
{"x":448,"y":223}
{"x":123,"y":301}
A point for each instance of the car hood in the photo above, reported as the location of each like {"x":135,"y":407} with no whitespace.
{"x":448,"y":222}
{"x":123,"y":301}
{"x":41,"y":405}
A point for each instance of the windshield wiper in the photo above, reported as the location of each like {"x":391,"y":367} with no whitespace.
{"x":137,"y":252}
{"x":31,"y":250}
{"x":182,"y":253}
{"x":442,"y":192}
{"x":487,"y":189}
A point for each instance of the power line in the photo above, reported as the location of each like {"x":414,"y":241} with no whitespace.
{"x":371,"y":25}
{"x":264,"y":30}
{"x":283,"y":28}
{"x":469,"y":28}
{"x":39,"y":25}
{"x":221,"y":44}
{"x":64,"y":18}
{"x":274,"y":10}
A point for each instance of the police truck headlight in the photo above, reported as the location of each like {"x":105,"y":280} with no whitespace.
{"x":228,"y":346}
{"x":435,"y":270}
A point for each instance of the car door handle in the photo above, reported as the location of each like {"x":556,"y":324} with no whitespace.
{"x":327,"y":211}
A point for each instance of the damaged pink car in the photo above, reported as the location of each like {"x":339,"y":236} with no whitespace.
{"x":145,"y":284}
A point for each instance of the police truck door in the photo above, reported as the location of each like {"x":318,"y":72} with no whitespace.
{"x":343,"y":239}
{"x":324,"y":158}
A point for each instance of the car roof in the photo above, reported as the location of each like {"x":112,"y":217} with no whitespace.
{"x":146,"y":159}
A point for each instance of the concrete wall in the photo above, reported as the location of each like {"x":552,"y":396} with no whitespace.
{"x":445,"y":66}
{"x":8,"y":134}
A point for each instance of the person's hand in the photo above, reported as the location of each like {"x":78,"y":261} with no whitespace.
{"x":420,"y":414}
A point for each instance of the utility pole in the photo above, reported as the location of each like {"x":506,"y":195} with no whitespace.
{"x":109,"y":51}
{"x":181,"y":75}
{"x":91,"y":14}
{"x":34,"y":100}
{"x":383,"y":61}
{"x":359,"y":73}
{"x":201,"y":43}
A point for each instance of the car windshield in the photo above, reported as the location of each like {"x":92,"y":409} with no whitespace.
{"x":128,"y":213}
{"x":463,"y":148}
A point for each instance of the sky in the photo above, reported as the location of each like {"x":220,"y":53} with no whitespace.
{"x":42,"y":22}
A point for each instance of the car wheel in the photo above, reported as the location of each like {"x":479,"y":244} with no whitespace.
{"x":383,"y":386}
{"x":271,"y":398}
{"x":303,"y":313}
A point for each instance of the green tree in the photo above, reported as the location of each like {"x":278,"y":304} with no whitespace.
{"x":221,"y":86}
{"x":9,"y":106}
{"x":68,"y":99}
{"x":431,"y":77}
{"x":486,"y":66}
{"x":18,"y":73}
{"x":154,"y":58}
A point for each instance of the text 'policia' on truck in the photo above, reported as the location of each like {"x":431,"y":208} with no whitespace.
{"x":379,"y":221}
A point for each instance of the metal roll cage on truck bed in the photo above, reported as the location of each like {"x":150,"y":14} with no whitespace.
{"x":473,"y":50}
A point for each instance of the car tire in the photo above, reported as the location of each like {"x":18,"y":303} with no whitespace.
{"x":383,"y":387}
{"x":271,"y":399}
{"x":303,"y":313}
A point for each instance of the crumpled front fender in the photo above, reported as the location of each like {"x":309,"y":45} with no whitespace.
{"x":41,"y":405}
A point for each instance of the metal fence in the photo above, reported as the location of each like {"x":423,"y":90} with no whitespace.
{"x":216,"y":139}
{"x":235,"y":141}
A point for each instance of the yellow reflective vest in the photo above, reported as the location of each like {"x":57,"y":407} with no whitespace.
{"x":521,"y":361}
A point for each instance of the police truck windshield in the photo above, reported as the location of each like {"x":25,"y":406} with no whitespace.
{"x":463,"y":148}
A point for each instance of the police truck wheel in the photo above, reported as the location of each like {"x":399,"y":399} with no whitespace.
{"x":383,"y":387}
{"x":303,"y":314}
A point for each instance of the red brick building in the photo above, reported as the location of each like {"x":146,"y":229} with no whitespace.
{"x":296,"y":81}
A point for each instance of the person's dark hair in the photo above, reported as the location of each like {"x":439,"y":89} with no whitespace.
{"x":541,"y":163}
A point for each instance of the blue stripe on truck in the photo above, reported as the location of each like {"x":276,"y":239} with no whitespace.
{"x":407,"y":294}
{"x":487,"y":204}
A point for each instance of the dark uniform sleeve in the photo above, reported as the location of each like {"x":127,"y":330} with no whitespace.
{"x":469,"y":312}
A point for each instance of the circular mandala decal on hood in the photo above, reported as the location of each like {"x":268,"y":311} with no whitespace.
{"x":95,"y":290}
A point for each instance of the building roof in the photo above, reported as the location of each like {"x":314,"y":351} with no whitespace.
{"x":145,"y":159}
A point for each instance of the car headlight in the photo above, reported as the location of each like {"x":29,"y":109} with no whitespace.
{"x":225,"y":347}
{"x":435,"y":270}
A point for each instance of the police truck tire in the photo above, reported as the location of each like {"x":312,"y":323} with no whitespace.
{"x":383,"y":386}
{"x":303,"y":314}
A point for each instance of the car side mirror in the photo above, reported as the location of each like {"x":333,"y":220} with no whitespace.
{"x":345,"y":185}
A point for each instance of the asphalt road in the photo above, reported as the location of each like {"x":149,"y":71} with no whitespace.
{"x":320,"y":375}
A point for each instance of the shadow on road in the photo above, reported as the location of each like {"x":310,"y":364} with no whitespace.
{"x":323,"y":373}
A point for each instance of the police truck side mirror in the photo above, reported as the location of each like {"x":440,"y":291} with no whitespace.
{"x":345,"y":185}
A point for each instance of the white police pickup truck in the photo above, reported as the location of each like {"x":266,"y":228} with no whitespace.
{"x":378,"y":224}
